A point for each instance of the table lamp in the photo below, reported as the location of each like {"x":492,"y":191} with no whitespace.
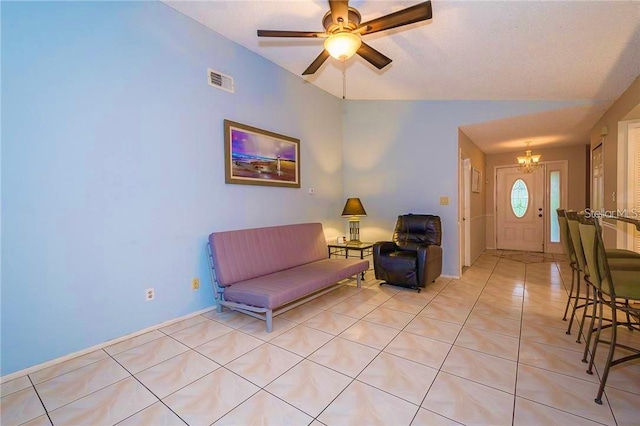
{"x":353,"y":209}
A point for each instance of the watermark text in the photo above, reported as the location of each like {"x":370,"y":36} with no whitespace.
{"x":631,"y":213}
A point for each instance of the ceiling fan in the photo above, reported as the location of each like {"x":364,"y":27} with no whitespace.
{"x":343,"y":31}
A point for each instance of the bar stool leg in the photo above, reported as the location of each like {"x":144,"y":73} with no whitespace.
{"x":566,"y":309}
{"x":575,"y":303}
{"x":597,"y":339}
{"x":592,"y":322}
{"x":612,"y":348}
{"x":587,"y":303}
{"x":630,"y":324}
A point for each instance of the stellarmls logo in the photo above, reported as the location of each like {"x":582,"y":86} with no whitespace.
{"x":632,"y":213}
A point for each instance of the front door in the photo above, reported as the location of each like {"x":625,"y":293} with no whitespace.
{"x":520,"y":215}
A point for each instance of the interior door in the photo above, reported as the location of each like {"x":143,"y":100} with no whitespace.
{"x":520,"y":209}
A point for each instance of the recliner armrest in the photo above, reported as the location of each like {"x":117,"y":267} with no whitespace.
{"x":382,"y":247}
{"x":424,"y":254}
{"x":425,"y":250}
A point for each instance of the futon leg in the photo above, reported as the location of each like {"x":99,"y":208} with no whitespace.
{"x":269,"y":315}
{"x":358,"y":279}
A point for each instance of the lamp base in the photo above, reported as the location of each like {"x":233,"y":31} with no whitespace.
{"x":354,"y":231}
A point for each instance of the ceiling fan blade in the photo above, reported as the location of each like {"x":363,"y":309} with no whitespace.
{"x":316,"y":63}
{"x":277,"y":33}
{"x":417,"y":13}
{"x":372,"y":56}
{"x":339,"y":9}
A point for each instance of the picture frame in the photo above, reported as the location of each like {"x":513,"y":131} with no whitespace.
{"x":255,"y":156}
{"x":476,"y":180}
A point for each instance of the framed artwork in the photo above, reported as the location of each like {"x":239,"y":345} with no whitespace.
{"x":476,"y":180}
{"x":258,"y":157}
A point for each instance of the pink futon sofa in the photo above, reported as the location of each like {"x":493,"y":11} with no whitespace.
{"x":264,"y":272}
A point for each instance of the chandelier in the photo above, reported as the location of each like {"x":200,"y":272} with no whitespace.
{"x":529,"y":163}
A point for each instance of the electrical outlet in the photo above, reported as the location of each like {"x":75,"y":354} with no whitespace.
{"x":195,"y":283}
{"x":150,"y":294}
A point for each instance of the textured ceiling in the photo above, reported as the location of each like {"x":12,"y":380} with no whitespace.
{"x":471,"y":50}
{"x":562,"y":127}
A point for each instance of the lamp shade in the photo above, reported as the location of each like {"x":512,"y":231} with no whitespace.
{"x":353,"y":207}
{"x":343,"y":45}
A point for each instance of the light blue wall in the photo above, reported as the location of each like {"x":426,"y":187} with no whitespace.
{"x":402,"y":156}
{"x":112,"y":167}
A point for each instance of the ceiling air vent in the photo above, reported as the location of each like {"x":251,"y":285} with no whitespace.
{"x":219,"y":80}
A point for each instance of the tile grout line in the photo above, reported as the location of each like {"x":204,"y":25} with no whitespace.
{"x":152,"y":393}
{"x":315,"y":418}
{"x":46,"y":412}
{"x":66,"y":372}
{"x":365,"y":367}
{"x":380,"y":351}
{"x":293,"y":366}
{"x":452,"y":344}
{"x":515,"y":384}
{"x":83,"y":396}
{"x":175,"y":356}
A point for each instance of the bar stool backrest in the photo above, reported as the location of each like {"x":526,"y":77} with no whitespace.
{"x":596,"y":257}
{"x":573,"y":222}
{"x":565,"y":237}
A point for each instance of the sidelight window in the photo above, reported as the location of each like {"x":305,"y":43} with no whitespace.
{"x":554,"y":199}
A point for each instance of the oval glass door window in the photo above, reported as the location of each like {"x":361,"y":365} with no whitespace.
{"x":519,"y":198}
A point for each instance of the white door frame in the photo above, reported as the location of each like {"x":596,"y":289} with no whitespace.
{"x":563,"y":167}
{"x":624,"y":234}
{"x":464,"y":200}
{"x":467,"y":212}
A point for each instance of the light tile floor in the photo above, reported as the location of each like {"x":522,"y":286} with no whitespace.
{"x":489,"y":348}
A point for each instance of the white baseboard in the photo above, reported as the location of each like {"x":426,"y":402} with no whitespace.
{"x":455,"y":277}
{"x":29,"y":370}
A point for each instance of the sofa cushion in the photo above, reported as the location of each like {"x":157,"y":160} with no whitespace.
{"x":279,"y":288}
{"x":249,"y":253}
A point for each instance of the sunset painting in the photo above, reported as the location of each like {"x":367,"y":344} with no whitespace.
{"x":258,"y":157}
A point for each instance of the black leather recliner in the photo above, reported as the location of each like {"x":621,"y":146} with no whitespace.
{"x":414,"y":257}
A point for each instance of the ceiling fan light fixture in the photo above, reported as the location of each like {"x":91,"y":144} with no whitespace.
{"x":342,"y":45}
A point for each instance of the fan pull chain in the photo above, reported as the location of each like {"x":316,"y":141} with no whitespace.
{"x":344,"y":81}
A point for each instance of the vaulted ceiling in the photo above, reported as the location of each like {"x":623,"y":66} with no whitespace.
{"x":583,"y":51}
